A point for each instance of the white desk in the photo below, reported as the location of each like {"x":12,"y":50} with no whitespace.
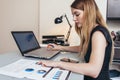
{"x":8,"y":58}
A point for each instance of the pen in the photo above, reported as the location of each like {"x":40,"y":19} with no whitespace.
{"x":68,"y":75}
{"x":47,"y":72}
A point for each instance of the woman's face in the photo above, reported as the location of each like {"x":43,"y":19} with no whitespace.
{"x":77,"y":16}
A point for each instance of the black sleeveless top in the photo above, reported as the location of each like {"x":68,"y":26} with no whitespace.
{"x":104,"y":73}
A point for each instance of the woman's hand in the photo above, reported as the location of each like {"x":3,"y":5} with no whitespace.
{"x":48,"y":63}
{"x":54,"y":47}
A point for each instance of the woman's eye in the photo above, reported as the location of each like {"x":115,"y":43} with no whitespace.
{"x":77,"y":14}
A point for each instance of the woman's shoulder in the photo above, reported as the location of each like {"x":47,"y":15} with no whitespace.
{"x":103,"y":30}
{"x":100,"y":28}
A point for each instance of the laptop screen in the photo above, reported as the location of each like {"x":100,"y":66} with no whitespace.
{"x":25,"y":40}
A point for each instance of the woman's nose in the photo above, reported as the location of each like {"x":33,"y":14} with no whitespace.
{"x":74,"y":18}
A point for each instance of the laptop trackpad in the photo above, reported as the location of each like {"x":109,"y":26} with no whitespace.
{"x":42,"y":53}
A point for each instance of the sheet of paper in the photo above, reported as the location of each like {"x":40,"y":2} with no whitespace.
{"x":25,"y":68}
{"x":55,"y":71}
{"x":116,"y":78}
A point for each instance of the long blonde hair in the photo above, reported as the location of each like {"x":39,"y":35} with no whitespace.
{"x":92,"y":16}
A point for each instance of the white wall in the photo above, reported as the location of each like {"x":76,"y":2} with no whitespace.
{"x":16,"y":15}
{"x":50,"y":9}
{"x":102,"y":4}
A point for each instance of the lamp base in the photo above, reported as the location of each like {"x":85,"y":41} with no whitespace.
{"x":66,"y":44}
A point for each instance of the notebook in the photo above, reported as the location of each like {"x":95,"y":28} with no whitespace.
{"x":29,"y":46}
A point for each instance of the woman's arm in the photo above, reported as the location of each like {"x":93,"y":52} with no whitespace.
{"x":64,"y":48}
{"x":94,"y":66}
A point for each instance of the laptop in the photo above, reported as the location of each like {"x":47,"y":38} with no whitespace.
{"x":29,"y":46}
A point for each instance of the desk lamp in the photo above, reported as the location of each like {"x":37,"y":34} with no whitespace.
{"x":59,"y":20}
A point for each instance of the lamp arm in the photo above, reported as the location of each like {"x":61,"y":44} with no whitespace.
{"x":68,"y":33}
{"x":68,"y":20}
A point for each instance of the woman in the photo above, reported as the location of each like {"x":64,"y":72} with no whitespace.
{"x":96,"y":43}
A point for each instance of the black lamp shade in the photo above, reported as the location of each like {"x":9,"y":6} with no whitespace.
{"x":58,"y":20}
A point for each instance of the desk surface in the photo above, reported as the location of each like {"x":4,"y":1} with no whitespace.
{"x":8,"y":58}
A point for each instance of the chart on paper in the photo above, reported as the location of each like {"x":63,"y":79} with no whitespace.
{"x":29,"y":69}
